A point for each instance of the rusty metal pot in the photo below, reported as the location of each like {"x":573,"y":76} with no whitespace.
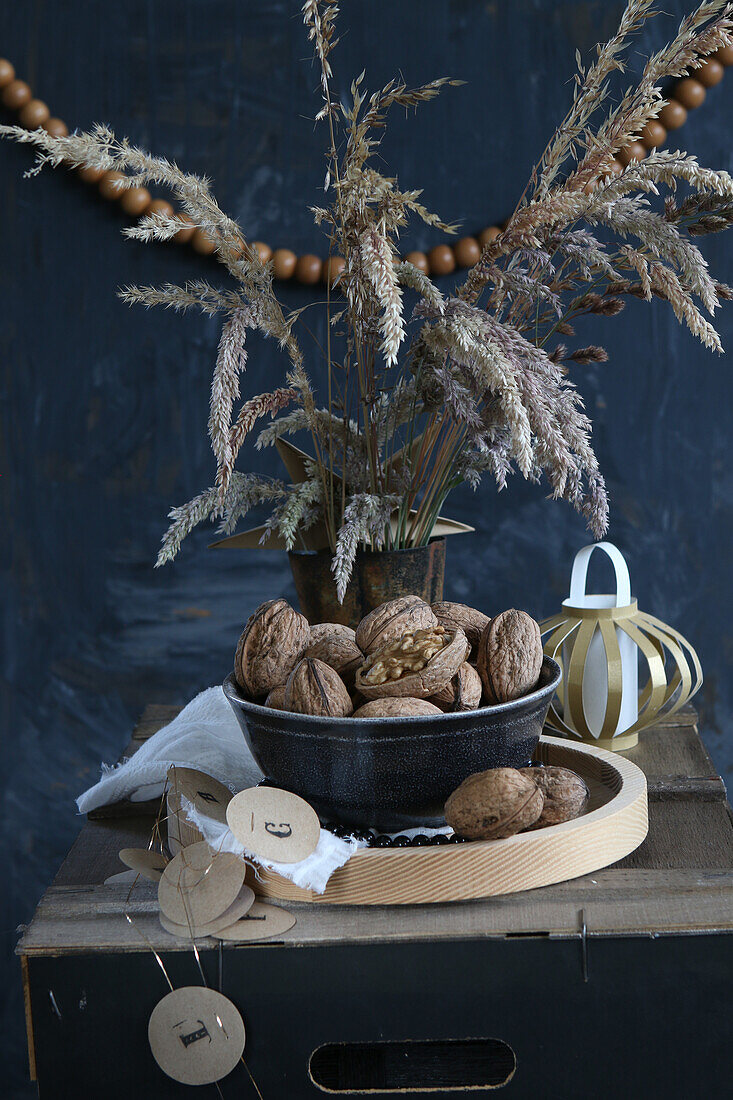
{"x":378,"y":576}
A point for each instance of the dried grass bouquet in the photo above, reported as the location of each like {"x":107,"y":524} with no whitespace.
{"x":419,"y":400}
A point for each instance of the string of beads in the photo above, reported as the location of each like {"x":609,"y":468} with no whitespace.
{"x":309,"y":269}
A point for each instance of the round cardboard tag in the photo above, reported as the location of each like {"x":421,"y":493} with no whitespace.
{"x":273,"y":824}
{"x":199,"y":884}
{"x":124,"y":878}
{"x":207,"y":794}
{"x":239,"y":907}
{"x":196,"y":1035}
{"x":259,"y":923}
{"x":145,"y":861}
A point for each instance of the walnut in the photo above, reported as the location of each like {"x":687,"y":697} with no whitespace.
{"x":417,"y":664}
{"x":392,"y":620}
{"x":276,"y":699}
{"x":472,"y":622}
{"x":510,"y":656}
{"x":313,"y":687}
{"x":335,"y":644}
{"x":401,"y":707}
{"x":463,"y":692}
{"x":271,"y":643}
{"x":494,"y":804}
{"x":566,"y":794}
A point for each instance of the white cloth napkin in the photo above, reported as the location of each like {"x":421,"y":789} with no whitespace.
{"x":206,"y":735}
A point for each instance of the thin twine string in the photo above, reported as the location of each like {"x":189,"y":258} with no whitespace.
{"x":161,"y":816}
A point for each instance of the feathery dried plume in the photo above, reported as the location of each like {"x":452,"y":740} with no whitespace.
{"x":231,"y":361}
{"x":460,"y":388}
{"x":366,"y":517}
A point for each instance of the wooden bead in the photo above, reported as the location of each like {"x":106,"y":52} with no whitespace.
{"x":135,"y":201}
{"x":283,"y":262}
{"x":90,"y":175}
{"x":263,"y":251}
{"x":203,"y":243}
{"x":184,"y":234}
{"x":16,"y":94}
{"x":160,"y":206}
{"x":7,"y":72}
{"x":486,"y":236}
{"x":56,"y":127}
{"x":724,"y":55}
{"x":467,"y":251}
{"x":690,"y":93}
{"x":332,"y":268}
{"x":441,"y":260}
{"x":34,"y":114}
{"x":419,"y":260}
{"x":710,"y":73}
{"x":653,"y":135}
{"x":634,"y":151}
{"x":673,"y":115}
{"x":308,"y":269}
{"x":107,"y":186}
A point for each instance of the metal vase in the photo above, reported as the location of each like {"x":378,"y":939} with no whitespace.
{"x":378,"y":576}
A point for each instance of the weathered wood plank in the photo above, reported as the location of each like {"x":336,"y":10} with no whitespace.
{"x":93,"y":857}
{"x":614,"y":902}
{"x":685,"y":835}
{"x":30,"y":1038}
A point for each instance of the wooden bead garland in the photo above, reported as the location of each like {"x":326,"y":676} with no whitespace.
{"x":467,"y":252}
{"x":7,"y":72}
{"x":689,"y":93}
{"x":711,"y":73}
{"x":56,"y":127}
{"x":108,"y":188}
{"x":135,"y":201}
{"x":34,"y":114}
{"x":653,"y":134}
{"x":635,"y":151}
{"x":441,"y":260}
{"x":673,"y":115}
{"x":16,"y":94}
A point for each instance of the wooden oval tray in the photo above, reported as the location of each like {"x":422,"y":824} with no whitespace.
{"x":614,"y":824}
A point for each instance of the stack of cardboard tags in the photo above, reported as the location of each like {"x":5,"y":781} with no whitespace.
{"x":202,"y":890}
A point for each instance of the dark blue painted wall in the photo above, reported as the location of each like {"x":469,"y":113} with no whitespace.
{"x":104,"y":410}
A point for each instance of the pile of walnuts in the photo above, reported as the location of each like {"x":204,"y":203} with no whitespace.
{"x":500,"y":802}
{"x":405,"y":658}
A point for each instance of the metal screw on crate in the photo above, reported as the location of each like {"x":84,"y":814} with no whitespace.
{"x":597,"y":639}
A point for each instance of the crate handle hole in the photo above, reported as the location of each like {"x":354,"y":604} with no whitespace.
{"x":412,"y":1066}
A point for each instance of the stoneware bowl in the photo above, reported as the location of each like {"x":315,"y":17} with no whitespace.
{"x":390,"y":773}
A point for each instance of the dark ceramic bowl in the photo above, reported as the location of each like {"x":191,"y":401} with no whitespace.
{"x":390,"y":773}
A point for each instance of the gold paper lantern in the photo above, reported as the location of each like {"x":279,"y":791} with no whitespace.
{"x":597,"y":640}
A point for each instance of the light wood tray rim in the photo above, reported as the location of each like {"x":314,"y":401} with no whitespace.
{"x":485,"y":868}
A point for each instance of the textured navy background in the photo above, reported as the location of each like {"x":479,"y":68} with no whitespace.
{"x":104,"y":410}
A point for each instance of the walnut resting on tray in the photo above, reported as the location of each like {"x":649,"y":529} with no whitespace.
{"x":500,"y":802}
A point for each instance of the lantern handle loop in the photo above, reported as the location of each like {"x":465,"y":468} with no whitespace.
{"x":579,"y":573}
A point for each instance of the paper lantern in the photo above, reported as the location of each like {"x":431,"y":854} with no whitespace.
{"x":598,"y":640}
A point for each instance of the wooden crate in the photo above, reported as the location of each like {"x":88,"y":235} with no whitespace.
{"x":616,"y":984}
